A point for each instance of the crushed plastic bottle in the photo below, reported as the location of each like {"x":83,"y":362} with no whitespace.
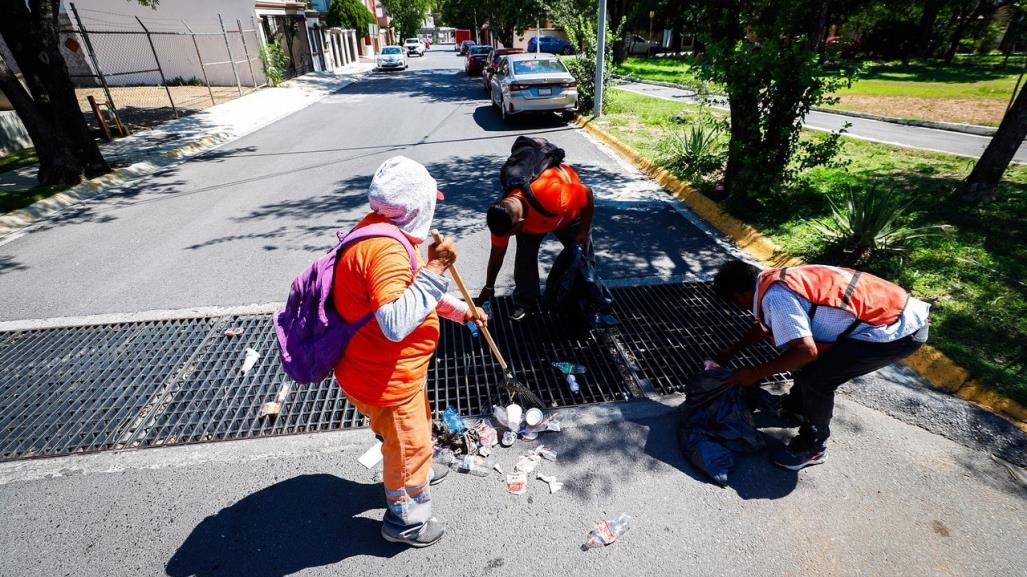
{"x":471,"y":326}
{"x":472,"y":464}
{"x":570,"y":368}
{"x":607,"y":531}
{"x":572,"y":384}
{"x":487,"y":307}
{"x":454,"y":423}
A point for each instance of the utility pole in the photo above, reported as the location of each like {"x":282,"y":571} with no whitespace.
{"x":538,"y":34}
{"x":652,"y":14}
{"x":597,"y":108}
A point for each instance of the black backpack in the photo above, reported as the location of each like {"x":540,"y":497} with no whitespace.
{"x":529,"y":157}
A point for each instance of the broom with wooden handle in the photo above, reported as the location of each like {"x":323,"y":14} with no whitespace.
{"x":517,"y":391}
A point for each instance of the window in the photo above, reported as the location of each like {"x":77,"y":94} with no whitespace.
{"x":539,"y":67}
{"x":391,"y":50}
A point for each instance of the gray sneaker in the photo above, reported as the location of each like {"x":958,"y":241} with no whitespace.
{"x":438,"y":473}
{"x":429,"y":534}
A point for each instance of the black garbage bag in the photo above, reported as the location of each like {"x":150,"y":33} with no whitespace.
{"x":575,"y":288}
{"x":716,"y":422}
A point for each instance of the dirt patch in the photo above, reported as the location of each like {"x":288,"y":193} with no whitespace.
{"x":141,"y":106}
{"x":985,"y":111}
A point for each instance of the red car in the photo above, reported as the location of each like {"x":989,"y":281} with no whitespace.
{"x":476,"y":56}
{"x":492,"y":64}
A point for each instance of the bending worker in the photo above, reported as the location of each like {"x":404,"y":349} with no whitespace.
{"x":385,"y":365}
{"x":833,"y":323}
{"x":555,"y":202}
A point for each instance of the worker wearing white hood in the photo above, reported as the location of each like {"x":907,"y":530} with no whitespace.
{"x":384,"y":369}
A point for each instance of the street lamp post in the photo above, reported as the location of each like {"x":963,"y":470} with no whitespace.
{"x":597,"y":107}
{"x":652,"y":14}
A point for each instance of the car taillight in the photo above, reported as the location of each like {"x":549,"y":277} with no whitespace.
{"x":569,"y":84}
{"x":517,"y":87}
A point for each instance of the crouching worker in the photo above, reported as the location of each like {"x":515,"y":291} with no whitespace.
{"x":833,"y":324}
{"x":383,"y":371}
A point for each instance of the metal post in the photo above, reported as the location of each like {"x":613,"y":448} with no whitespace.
{"x":246,"y":52}
{"x":231,"y":59}
{"x":597,"y":108}
{"x":199,"y":58}
{"x":96,"y":64}
{"x":159,"y":69}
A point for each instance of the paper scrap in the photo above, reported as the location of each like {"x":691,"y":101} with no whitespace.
{"x":527,"y":463}
{"x":251,"y":359}
{"x":372,"y":456}
{"x":554,"y":485}
{"x":517,"y":483}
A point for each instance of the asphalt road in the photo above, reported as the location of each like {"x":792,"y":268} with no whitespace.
{"x":969,"y":145}
{"x":234,"y":226}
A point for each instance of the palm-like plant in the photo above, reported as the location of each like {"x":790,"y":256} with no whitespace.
{"x":869,"y":224}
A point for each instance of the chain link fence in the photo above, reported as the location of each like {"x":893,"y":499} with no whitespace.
{"x":132,"y":73}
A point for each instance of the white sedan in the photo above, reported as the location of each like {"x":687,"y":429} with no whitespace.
{"x":392,"y":58}
{"x":533,"y":82}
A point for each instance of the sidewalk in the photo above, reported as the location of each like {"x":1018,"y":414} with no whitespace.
{"x":147,"y":151}
{"x":931,"y":139}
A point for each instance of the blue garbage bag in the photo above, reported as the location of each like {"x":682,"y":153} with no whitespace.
{"x":716,"y":422}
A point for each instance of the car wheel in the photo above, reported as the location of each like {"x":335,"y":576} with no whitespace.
{"x":567,"y":51}
{"x":502,"y":111}
{"x":568,"y":115}
{"x":492,"y":99}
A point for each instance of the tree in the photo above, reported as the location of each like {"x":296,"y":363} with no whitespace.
{"x":349,"y":14}
{"x":765,"y":55}
{"x":984,"y":178}
{"x":408,"y":15}
{"x":504,"y":17}
{"x":48,"y":108}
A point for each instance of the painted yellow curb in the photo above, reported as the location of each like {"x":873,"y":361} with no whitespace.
{"x":939,"y":370}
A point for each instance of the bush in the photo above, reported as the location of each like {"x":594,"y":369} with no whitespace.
{"x":275,"y":61}
{"x":581,"y":31}
{"x":697,"y":148}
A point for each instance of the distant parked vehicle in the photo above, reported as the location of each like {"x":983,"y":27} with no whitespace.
{"x":459,"y":36}
{"x":464,"y":47}
{"x":492,"y":63}
{"x":392,"y":58}
{"x":476,"y":57}
{"x":414,"y":46}
{"x":550,"y":44}
{"x":639,"y":46}
{"x":533,"y":83}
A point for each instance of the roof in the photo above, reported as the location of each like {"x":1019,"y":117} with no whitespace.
{"x":530,"y":56}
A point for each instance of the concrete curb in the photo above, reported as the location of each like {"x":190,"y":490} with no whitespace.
{"x":937,"y":369}
{"x":974,"y":129}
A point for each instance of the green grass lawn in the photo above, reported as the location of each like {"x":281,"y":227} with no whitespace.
{"x":929,"y":80}
{"x":663,"y":69}
{"x":14,"y":199}
{"x":974,"y":277}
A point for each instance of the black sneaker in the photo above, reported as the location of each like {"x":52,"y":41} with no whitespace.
{"x":429,"y":534}
{"x":796,"y":459}
{"x":518,"y":313}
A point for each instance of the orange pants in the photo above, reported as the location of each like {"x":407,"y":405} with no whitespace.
{"x":406,"y":459}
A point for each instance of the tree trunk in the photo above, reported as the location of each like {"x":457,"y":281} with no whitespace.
{"x":925,"y":31}
{"x":965,"y":18}
{"x":980,"y":185}
{"x":33,"y":40}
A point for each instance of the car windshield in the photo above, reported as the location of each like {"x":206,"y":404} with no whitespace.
{"x":391,"y":50}
{"x":538,"y":67}
{"x":413,"y":41}
{"x":481,"y":49}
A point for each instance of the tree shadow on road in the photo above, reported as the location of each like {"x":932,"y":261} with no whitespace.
{"x":305,"y":521}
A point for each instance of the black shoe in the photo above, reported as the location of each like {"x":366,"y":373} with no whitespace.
{"x":429,"y":534}
{"x":518,"y":313}
{"x":796,"y":460}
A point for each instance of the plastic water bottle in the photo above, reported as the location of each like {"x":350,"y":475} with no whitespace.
{"x":607,"y":531}
{"x":472,"y":464}
{"x":570,"y":368}
{"x":454,"y":423}
{"x":487,"y":307}
{"x":471,"y":326}
{"x":572,"y":384}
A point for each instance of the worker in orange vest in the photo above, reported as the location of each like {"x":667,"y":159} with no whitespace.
{"x":570,"y":205}
{"x":384,"y":369}
{"x":833,"y":324}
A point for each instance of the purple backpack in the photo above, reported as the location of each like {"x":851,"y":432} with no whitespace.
{"x":312,"y":336}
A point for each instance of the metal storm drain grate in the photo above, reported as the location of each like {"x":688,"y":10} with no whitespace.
{"x":145,"y":384}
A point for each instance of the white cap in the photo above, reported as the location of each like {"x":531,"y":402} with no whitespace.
{"x":403,"y":192}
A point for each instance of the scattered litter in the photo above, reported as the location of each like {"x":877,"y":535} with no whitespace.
{"x":607,"y":531}
{"x":572,"y":384}
{"x":570,"y":368}
{"x":533,"y":417}
{"x":484,"y":451}
{"x":517,"y":482}
{"x":514,"y":412}
{"x":473,"y":327}
{"x":498,"y":467}
{"x":454,"y":423}
{"x":250,"y":360}
{"x":372,"y":456}
{"x":487,"y":436}
{"x":234,"y":332}
{"x":547,"y":454}
{"x":528,"y":434}
{"x":473,"y":465}
{"x":508,"y":438}
{"x":527,"y":463}
{"x":273,"y":408}
{"x":554,"y":485}
{"x":707,"y":365}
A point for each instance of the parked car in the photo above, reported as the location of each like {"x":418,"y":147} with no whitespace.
{"x":533,"y":82}
{"x":414,"y":46}
{"x":550,"y":44}
{"x":492,"y":63}
{"x":476,"y":59}
{"x":464,"y":46}
{"x":639,"y":46}
{"x":392,"y":58}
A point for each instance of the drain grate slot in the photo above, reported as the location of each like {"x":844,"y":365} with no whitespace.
{"x":148,"y":384}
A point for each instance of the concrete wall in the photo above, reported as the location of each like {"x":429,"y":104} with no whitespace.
{"x":13,"y":135}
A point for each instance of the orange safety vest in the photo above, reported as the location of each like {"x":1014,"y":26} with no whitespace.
{"x":872,"y":300}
